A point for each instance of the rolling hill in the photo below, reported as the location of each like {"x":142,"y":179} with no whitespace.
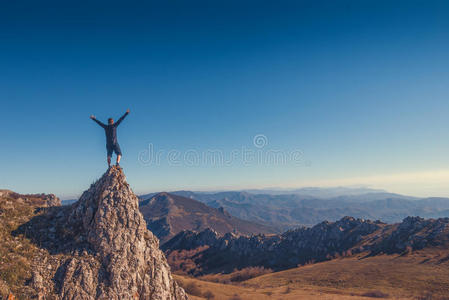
{"x":167,"y":215}
{"x":420,"y":275}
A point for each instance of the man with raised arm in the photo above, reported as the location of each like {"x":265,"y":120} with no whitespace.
{"x":111,"y":137}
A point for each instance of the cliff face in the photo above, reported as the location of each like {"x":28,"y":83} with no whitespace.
{"x":100,"y":248}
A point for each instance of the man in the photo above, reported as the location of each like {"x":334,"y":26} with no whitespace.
{"x":111,"y":137}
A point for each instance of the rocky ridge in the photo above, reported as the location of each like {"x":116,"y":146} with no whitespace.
{"x":327,"y":240}
{"x":41,"y":200}
{"x":99,"y":248}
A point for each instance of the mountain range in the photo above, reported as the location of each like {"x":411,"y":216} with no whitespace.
{"x":310,"y":206}
{"x":99,"y":247}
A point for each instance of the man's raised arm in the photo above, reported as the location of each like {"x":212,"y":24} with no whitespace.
{"x":121,"y":118}
{"x":98,"y":122}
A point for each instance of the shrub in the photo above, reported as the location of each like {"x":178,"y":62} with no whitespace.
{"x":376,"y":294}
{"x":4,"y":290}
{"x":430,"y":296}
{"x":183,"y":261}
{"x":218,"y":278}
{"x":425,"y":297}
{"x":235,"y":297}
{"x":248,"y":273}
{"x":192,"y":289}
{"x":208,"y":295}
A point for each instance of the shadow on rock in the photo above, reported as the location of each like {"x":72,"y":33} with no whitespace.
{"x":50,"y":230}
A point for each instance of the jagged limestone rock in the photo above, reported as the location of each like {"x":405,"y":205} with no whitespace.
{"x":112,"y":254}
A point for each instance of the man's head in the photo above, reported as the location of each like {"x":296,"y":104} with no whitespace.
{"x":110,"y":121}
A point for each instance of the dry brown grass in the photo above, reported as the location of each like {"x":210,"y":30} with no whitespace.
{"x":398,"y":276}
{"x":229,"y":291}
{"x":421,"y":275}
{"x":237,"y":275}
{"x":16,"y":252}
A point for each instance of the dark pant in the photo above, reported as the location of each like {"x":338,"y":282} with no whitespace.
{"x":113,"y":148}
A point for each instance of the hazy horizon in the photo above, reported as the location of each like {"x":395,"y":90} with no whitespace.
{"x":273,"y":189}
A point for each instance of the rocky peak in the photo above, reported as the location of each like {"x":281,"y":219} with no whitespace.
{"x":415,"y":233}
{"x":188,"y":239}
{"x":112,"y":254}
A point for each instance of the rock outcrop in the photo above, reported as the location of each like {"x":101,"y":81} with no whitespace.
{"x":413,"y":233}
{"x":324,"y":241}
{"x":37,"y":200}
{"x":100,"y":248}
{"x":294,"y":247}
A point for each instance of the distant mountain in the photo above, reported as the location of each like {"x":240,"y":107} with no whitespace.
{"x":215,"y":253}
{"x":319,"y":192}
{"x":315,"y":192}
{"x":168,"y":214}
{"x":285,"y":211}
{"x":68,"y":201}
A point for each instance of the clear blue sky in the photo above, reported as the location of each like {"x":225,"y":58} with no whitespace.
{"x":360,"y":87}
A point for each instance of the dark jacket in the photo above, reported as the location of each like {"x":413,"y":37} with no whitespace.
{"x":111,"y":130}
